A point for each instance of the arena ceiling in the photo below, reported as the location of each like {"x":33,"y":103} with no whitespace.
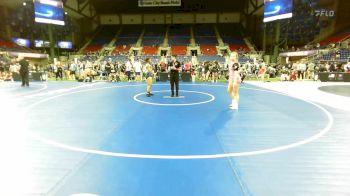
{"x":131,"y":6}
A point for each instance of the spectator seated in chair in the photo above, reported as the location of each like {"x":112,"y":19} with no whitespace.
{"x":285,"y":75}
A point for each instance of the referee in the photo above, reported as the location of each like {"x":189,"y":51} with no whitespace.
{"x":174,"y":68}
{"x":24,"y":71}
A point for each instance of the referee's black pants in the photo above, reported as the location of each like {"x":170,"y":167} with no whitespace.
{"x":25,"y":78}
{"x":174,"y":81}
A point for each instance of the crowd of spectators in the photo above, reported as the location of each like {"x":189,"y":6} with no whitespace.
{"x":87,"y":68}
{"x":300,"y":70}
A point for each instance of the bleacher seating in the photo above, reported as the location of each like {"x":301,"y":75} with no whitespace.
{"x":206,"y":38}
{"x":154,"y":35}
{"x":178,"y":50}
{"x":179,"y":30}
{"x":204,"y":30}
{"x":150,"y":50}
{"x":208,"y":49}
{"x":153,"y":38}
{"x":124,"y":49}
{"x":331,"y":56}
{"x":179,"y":39}
{"x":345,"y":55}
{"x":151,"y":46}
{"x":235,"y":43}
{"x":205,"y":34}
{"x":328,"y":57}
{"x":153,"y":41}
{"x":11,"y":46}
{"x":231,"y":36}
{"x":179,"y":35}
{"x":239,"y":47}
{"x":127,"y":38}
{"x":104,"y":37}
{"x":233,"y":40}
{"x":131,"y":31}
{"x":4,"y":44}
{"x":229,"y":30}
{"x":155,"y":31}
{"x":336,"y":38}
{"x":127,"y":41}
{"x":92,"y":49}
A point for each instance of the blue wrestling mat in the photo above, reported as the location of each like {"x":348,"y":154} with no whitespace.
{"x":111,"y":139}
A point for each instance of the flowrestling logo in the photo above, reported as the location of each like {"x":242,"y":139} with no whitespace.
{"x":325,"y":13}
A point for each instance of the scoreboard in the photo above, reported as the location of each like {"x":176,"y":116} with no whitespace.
{"x":49,"y":11}
{"x":159,"y":3}
{"x":277,"y":9}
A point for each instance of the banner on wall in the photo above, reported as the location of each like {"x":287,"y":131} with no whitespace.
{"x":159,"y":3}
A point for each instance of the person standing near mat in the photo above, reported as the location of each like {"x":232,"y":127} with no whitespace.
{"x":138,"y":69}
{"x":59,"y":73}
{"x":174,"y":68}
{"x":24,"y":71}
{"x":149,"y":76}
{"x":128,"y":68}
{"x":234,"y":80}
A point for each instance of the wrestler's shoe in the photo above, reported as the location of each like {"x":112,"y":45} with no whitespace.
{"x":234,"y":106}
